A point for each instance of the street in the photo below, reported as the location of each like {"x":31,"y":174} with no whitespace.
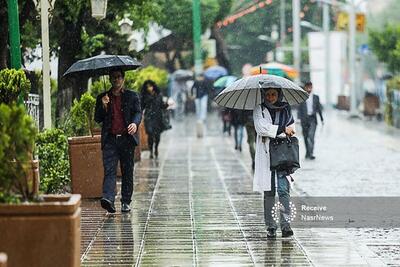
{"x":195,"y":206}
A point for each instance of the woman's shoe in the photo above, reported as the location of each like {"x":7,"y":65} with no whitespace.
{"x":156,"y":153}
{"x":287,"y":231}
{"x":151,"y":155}
{"x":271,"y":232}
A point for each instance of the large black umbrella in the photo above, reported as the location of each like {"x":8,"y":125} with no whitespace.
{"x":102,"y":64}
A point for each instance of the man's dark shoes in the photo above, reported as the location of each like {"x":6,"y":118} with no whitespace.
{"x":271,"y":233}
{"x":312,"y":157}
{"x":107,"y":205}
{"x":287,"y":231}
{"x":125,"y":207}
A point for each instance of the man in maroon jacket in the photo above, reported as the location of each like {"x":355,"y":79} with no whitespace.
{"x":119,"y":112}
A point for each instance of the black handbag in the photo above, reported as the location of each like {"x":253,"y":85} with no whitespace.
{"x":284,"y":154}
{"x":166,"y":124}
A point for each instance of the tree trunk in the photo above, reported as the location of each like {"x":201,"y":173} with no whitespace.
{"x":3,"y":37}
{"x":70,"y":46}
{"x":222,"y":49}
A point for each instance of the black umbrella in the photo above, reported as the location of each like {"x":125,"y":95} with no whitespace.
{"x":102,"y":64}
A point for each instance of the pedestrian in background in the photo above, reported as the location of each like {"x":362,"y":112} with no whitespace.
{"x":200,"y":91}
{"x":226,"y":121}
{"x":251,"y":135}
{"x":238,"y":121}
{"x":272,"y":119}
{"x":307,"y":113}
{"x":153,"y":107}
{"x":118,"y":110}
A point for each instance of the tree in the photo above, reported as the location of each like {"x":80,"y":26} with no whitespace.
{"x":27,"y":20}
{"x":245,"y":47}
{"x":386,"y":45}
{"x":222,"y":49}
{"x":76,"y":35}
{"x":182,"y":27}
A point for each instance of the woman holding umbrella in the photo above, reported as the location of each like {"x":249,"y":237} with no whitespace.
{"x":269,"y":97}
{"x":153,"y":105}
{"x":272,"y":118}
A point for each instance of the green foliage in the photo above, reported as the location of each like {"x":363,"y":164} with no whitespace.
{"x":135,"y":79}
{"x":17,"y":135}
{"x":182,"y":27}
{"x":100,"y":86}
{"x":81,"y":117}
{"x":91,"y":44}
{"x":52,"y":147}
{"x":245,"y":47}
{"x":12,"y":84}
{"x":392,"y":85}
{"x":386,"y":45}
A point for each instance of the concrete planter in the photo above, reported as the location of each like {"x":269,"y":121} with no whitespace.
{"x":42,"y":234}
{"x":343,"y":102}
{"x":86,"y":165}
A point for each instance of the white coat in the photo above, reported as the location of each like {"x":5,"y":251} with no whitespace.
{"x":264,"y":127}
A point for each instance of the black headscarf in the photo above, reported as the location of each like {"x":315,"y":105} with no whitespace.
{"x":280,"y":111}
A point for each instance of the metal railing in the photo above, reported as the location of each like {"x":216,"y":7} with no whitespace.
{"x":32,"y":107}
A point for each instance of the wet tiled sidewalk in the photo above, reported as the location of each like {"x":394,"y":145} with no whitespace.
{"x":194,"y":206}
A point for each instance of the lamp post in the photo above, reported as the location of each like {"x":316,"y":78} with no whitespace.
{"x":198,"y":65}
{"x":45,"y":6}
{"x":296,"y":38}
{"x":126,"y":25}
{"x":13,"y":25}
{"x":99,"y":9}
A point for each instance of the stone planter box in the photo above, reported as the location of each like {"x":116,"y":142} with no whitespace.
{"x":42,"y":234}
{"x":343,"y":102}
{"x":86,"y":165}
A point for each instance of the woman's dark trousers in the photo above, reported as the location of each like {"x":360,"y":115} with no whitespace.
{"x":118,"y":148}
{"x":153,"y":139}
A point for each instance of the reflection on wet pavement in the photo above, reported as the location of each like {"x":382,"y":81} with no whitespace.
{"x":195,"y":207}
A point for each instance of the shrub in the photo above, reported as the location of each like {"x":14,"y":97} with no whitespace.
{"x":135,"y":80}
{"x":17,"y":136}
{"x":81,"y":117}
{"x":52,"y":149}
{"x":12,"y":84}
{"x":100,"y":86}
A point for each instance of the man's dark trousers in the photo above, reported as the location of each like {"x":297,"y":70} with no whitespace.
{"x":116,"y":148}
{"x":309,"y":126}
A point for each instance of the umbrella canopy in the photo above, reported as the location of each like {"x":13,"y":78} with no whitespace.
{"x":224,"y":81}
{"x":183,"y":74}
{"x":214,"y":72}
{"x":102,"y":64}
{"x":275,"y":68}
{"x":246,"y":92}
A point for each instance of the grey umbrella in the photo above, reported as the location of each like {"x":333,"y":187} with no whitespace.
{"x":246,"y":92}
{"x":182,"y":74}
{"x":101,"y":65}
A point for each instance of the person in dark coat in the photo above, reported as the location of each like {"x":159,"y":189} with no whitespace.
{"x":118,"y":110}
{"x":307,"y":113}
{"x":153,"y":106}
{"x":239,"y":119}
